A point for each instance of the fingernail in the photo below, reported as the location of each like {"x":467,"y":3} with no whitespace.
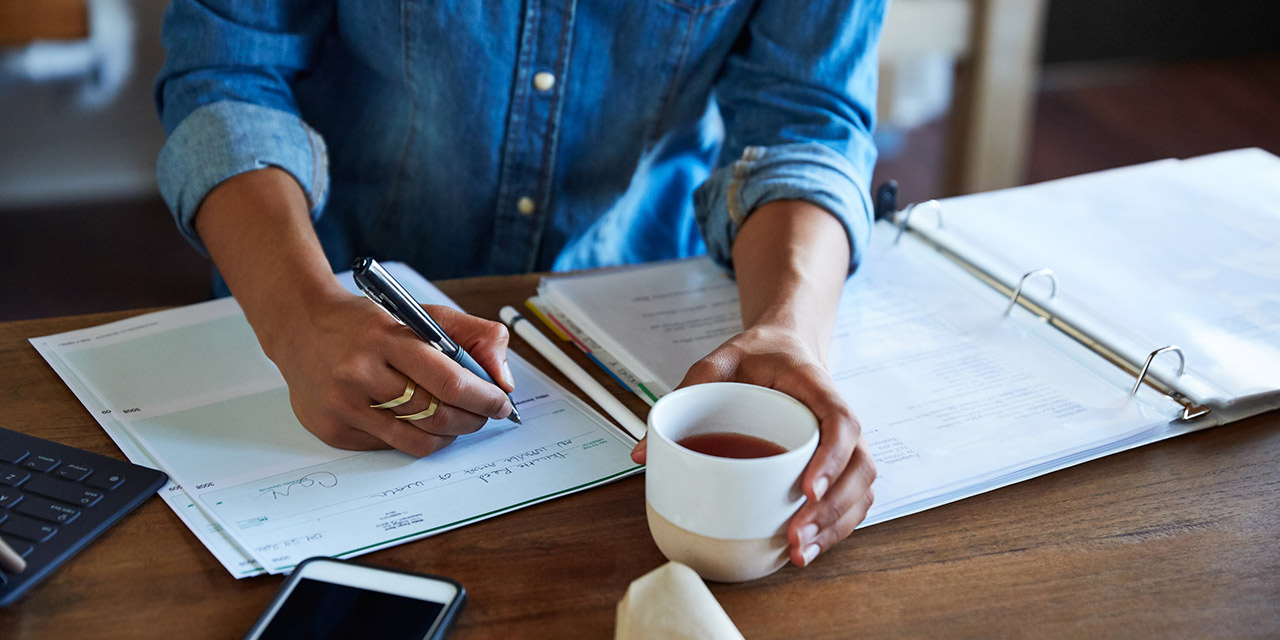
{"x":808,"y":532}
{"x":820,"y":487}
{"x":506,"y":375}
{"x":810,"y":552}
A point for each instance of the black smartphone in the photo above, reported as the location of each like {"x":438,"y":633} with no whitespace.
{"x":330,"y":599}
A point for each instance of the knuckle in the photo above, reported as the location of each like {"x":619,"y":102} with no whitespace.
{"x":456,"y":422}
{"x":347,"y":368}
{"x":469,"y":424}
{"x":872,"y":473}
{"x":493,"y":404}
{"x":450,"y":384}
{"x":330,"y":434}
{"x":496,"y":332}
{"x":703,"y":370}
{"x":420,"y":444}
{"x":385,"y":340}
{"x":848,"y":423}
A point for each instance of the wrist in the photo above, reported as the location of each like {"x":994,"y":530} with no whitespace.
{"x":785,"y":324}
{"x":282,"y":313}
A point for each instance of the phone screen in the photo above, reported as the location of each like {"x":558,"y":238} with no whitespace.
{"x":328,"y":611}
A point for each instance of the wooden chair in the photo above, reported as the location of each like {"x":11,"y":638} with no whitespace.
{"x":996,"y":44}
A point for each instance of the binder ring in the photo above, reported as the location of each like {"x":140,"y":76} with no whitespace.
{"x":1182,"y":365}
{"x":1017,"y":291}
{"x":906,"y":215}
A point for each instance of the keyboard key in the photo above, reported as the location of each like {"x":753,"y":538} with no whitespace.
{"x":106,"y":481}
{"x":13,"y":476}
{"x":48,"y":510}
{"x":41,"y":463}
{"x":68,"y":495}
{"x":21,"y":548}
{"x":28,"y":529}
{"x":63,"y":491}
{"x":74,"y":472}
{"x":12,"y":453}
{"x":9,"y":497}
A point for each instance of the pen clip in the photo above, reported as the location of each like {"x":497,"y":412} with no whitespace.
{"x":421,"y":324}
{"x":381,"y":301}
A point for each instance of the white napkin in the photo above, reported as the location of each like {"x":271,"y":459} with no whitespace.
{"x":671,"y":602}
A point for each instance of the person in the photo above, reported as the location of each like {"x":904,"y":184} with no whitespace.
{"x":471,"y":138}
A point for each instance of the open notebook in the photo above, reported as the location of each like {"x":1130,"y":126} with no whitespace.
{"x":957,"y":396}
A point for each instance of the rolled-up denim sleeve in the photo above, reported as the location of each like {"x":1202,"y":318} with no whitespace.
{"x":798,"y":100}
{"x":226,"y":101}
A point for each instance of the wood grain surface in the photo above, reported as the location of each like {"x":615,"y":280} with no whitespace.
{"x":24,"y":21}
{"x":1175,"y":539}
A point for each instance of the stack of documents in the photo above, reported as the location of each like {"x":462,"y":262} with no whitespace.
{"x":190,"y":392}
{"x":955,"y":396}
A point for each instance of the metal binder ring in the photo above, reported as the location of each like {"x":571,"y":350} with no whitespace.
{"x":1017,"y":291}
{"x":1182,"y":365}
{"x":906,"y":215}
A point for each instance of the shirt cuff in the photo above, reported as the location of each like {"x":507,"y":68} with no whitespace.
{"x":809,"y":171}
{"x":227,"y":138}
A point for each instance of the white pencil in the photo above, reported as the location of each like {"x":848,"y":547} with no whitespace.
{"x":572,"y":371}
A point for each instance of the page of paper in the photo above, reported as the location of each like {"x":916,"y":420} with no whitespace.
{"x":665,"y":308}
{"x":1182,"y":253}
{"x":234,"y":559}
{"x":954,"y":397}
{"x":193,"y":394}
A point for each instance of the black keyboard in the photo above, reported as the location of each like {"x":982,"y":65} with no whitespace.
{"x":55,"y":499}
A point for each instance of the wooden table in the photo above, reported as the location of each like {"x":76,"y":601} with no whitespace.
{"x":1179,"y":538}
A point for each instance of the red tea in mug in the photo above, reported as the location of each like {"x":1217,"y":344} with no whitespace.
{"x":731,"y":445}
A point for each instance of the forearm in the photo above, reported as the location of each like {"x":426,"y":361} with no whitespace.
{"x":791,"y":258}
{"x":258,"y":231}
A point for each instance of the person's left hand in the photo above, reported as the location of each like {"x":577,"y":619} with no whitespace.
{"x":837,"y":481}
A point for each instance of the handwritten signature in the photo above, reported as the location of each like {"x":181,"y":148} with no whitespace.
{"x":322,"y":478}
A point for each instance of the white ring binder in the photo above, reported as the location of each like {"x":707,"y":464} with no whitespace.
{"x":1017,"y":291}
{"x":1182,"y":366}
{"x":906,"y":215}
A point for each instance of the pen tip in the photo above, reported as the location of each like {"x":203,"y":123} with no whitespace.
{"x":514,"y":416}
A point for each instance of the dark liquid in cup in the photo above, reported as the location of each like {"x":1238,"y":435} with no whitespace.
{"x":731,"y":445}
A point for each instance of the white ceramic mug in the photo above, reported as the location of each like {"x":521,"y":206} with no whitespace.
{"x":726,"y":517}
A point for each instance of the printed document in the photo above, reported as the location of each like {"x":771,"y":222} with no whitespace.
{"x":954,"y":397}
{"x":189,"y":391}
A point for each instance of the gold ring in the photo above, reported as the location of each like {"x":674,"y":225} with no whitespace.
{"x":404,"y":397}
{"x":422,"y":415}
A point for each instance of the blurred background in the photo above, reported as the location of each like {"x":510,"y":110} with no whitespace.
{"x":976,"y":95}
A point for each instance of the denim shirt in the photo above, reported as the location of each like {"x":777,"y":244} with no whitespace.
{"x":469,"y":137}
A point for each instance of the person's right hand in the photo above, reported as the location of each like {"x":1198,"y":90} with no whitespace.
{"x":340,"y":352}
{"x":348,"y":354}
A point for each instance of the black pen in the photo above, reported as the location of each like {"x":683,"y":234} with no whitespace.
{"x":383,"y":289}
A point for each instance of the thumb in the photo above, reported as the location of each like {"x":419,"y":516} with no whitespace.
{"x":641,"y":451}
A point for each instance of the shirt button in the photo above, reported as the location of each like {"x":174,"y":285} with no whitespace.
{"x":543,"y":81}
{"x":526,"y":206}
